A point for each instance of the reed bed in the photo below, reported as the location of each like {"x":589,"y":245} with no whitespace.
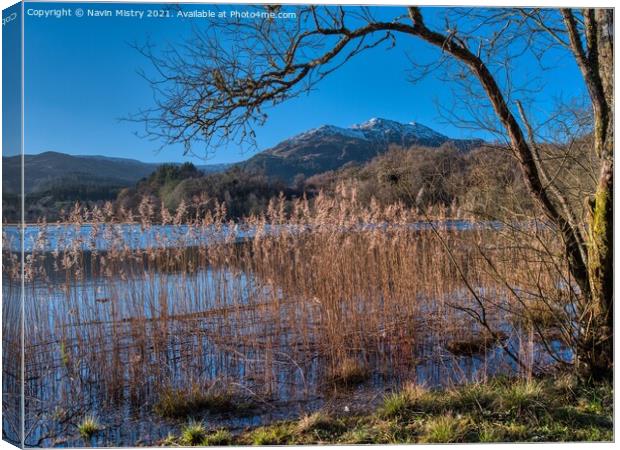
{"x":124,"y":312}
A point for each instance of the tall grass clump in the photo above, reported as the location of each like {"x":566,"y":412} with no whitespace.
{"x":521,"y":397}
{"x":193,"y":433}
{"x":220,"y":438}
{"x":275,"y":435}
{"x":410,"y":400}
{"x":445,"y":430}
{"x":89,"y":426}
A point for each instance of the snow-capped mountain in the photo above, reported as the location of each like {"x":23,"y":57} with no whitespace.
{"x":330,"y":147}
{"x":389,"y":130}
{"x":378,"y":130}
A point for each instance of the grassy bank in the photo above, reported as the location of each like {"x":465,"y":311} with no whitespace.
{"x":502,"y":410}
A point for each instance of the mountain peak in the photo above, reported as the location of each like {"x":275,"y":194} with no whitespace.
{"x":330,"y":147}
{"x":379,"y":128}
{"x":374,"y":129}
{"x":329,"y":130}
{"x":375,"y":122}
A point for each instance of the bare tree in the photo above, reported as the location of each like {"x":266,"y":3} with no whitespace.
{"x":216,"y":87}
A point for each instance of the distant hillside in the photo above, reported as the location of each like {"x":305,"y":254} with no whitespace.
{"x":316,"y":151}
{"x":243,"y":192}
{"x":53,"y":169}
{"x":330,"y":148}
{"x":55,"y":181}
{"x":316,"y":159}
{"x":482,"y":182}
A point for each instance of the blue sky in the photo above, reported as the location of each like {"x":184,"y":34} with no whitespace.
{"x":11,"y":81}
{"x":81,"y":77}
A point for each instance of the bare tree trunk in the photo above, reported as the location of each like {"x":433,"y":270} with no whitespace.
{"x":599,"y":345}
{"x":599,"y":31}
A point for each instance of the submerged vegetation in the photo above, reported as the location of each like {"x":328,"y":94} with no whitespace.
{"x":177,"y":403}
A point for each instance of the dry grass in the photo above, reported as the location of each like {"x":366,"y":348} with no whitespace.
{"x":474,"y":344}
{"x":197,"y":399}
{"x":316,"y":421}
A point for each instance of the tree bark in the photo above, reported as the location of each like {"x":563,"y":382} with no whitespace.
{"x":599,"y":29}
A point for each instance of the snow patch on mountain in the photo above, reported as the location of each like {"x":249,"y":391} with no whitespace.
{"x":330,"y":130}
{"x":375,"y":130}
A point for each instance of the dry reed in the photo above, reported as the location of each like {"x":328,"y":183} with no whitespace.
{"x":123,"y":310}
